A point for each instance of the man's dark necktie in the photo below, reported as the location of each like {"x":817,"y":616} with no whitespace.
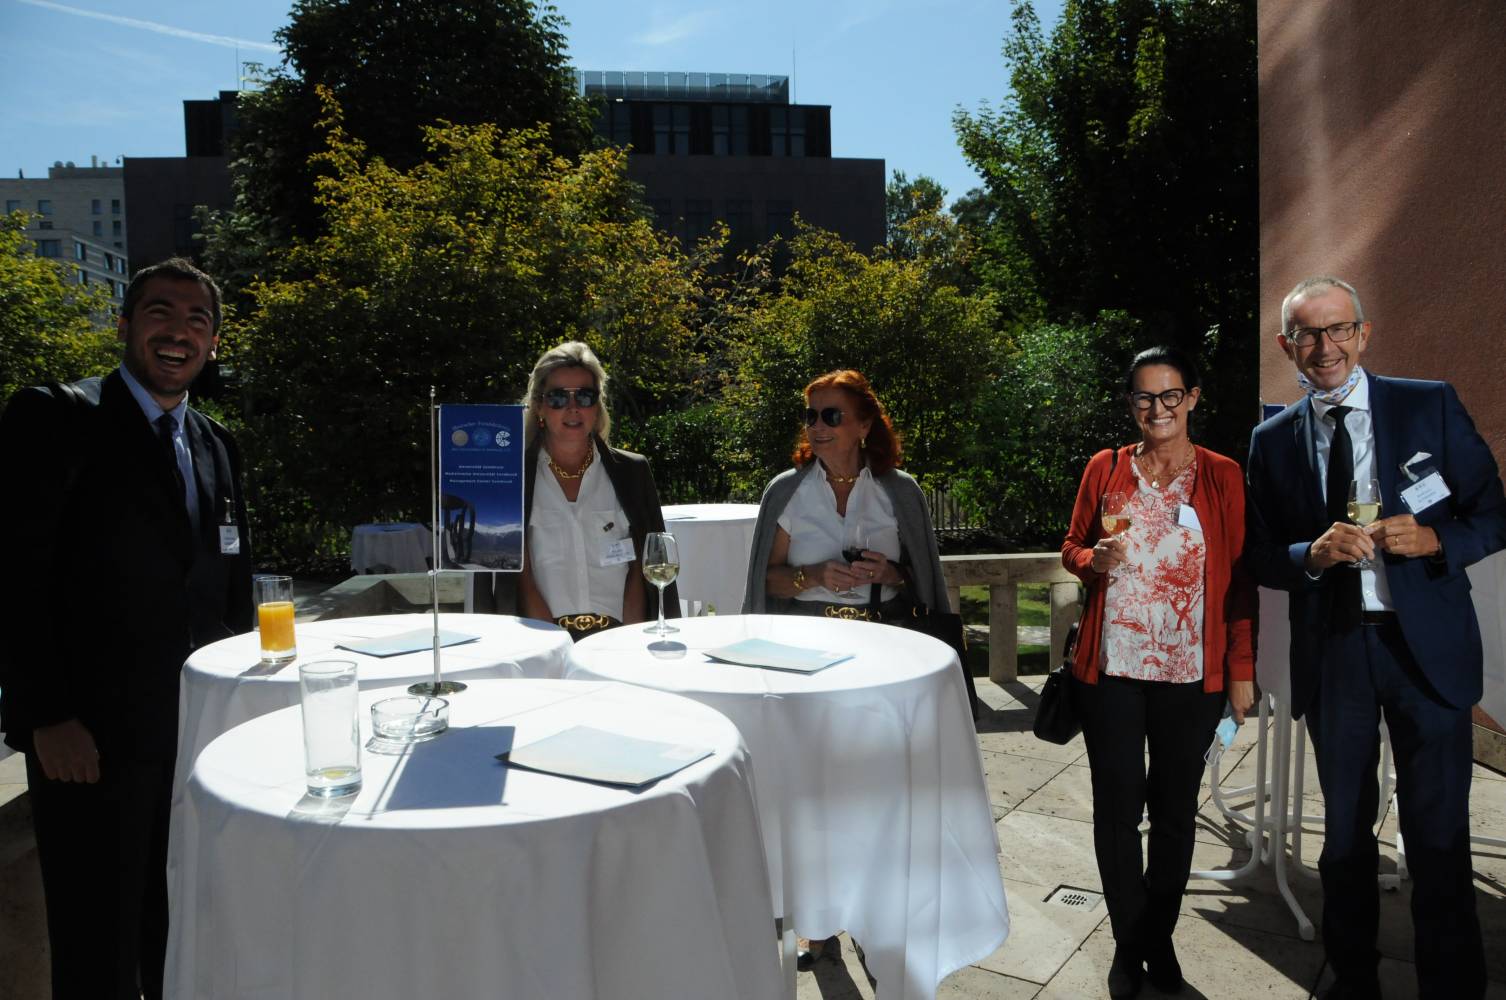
{"x":1347,"y":601}
{"x":165,"y":428}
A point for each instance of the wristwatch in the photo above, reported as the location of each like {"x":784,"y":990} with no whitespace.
{"x":799,"y":579}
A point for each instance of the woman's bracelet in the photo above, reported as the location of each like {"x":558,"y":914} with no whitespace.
{"x":799,"y":579}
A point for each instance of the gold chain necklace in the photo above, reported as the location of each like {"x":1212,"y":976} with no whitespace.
{"x":559,"y":471}
{"x":1155,"y":483}
{"x":832,"y":477}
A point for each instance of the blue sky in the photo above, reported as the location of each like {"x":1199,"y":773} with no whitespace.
{"x":108,"y":77}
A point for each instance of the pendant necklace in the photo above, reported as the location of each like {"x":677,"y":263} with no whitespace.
{"x":1155,"y":483}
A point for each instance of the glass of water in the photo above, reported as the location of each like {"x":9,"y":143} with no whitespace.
{"x":331,"y":727}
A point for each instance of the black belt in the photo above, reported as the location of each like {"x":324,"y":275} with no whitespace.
{"x":1378,"y":618}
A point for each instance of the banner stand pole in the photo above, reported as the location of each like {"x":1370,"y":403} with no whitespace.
{"x":439,"y":686}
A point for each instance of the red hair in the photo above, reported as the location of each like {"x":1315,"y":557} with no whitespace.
{"x":882,"y":449}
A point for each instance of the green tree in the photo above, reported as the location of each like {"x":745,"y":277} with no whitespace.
{"x":396,"y":67}
{"x":1122,"y":175}
{"x":925,"y":346}
{"x":51,"y":329}
{"x":456,"y":273}
{"x":1059,"y":401}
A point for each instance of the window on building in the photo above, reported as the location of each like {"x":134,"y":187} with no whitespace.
{"x":44,"y":206}
{"x":120,"y":289}
{"x":663,"y":217}
{"x":698,"y":219}
{"x":779,"y":131}
{"x":739,"y":119}
{"x":12,"y":205}
{"x":721,"y":131}
{"x":49,"y":248}
{"x":119,"y":263}
{"x":109,"y":262}
{"x":83,"y":276}
{"x":115,"y":228}
{"x":739,"y":219}
{"x":99,"y":228}
{"x":94,"y":207}
{"x":779,"y":217}
{"x":797,"y":131}
{"x":80,"y":252}
{"x":114,"y":206}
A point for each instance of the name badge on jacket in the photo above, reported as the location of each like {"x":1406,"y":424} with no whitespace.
{"x":618,"y":552}
{"x":230,"y":540}
{"x":1187,"y":518}
{"x":1427,"y":486}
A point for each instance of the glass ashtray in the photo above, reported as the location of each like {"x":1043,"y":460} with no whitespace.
{"x":398,"y":722}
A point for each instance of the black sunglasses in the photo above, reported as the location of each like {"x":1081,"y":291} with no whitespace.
{"x":831,"y":417}
{"x":558,"y":399}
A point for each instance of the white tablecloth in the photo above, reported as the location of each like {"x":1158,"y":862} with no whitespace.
{"x":714,"y":540}
{"x":224,"y":683}
{"x":451,"y":875}
{"x":391,"y":548}
{"x":870,"y":787}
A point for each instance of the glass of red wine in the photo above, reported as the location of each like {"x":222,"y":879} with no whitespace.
{"x":855,"y":540}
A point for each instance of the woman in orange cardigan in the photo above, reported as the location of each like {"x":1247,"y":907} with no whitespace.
{"x":1166,"y":639}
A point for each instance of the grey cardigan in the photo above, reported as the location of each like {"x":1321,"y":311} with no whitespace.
{"x":917,"y":540}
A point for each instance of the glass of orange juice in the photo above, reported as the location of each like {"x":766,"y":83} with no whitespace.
{"x":274,"y":617}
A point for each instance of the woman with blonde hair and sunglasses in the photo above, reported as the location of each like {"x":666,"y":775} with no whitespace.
{"x":586,"y":505}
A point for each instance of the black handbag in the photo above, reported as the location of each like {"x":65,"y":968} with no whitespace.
{"x":1056,"y":719}
{"x":938,"y":625}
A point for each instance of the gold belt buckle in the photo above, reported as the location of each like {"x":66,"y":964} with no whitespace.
{"x":582,"y":621}
{"x":847,"y":612}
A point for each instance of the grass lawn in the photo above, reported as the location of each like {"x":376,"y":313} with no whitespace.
{"x":1035,"y":609}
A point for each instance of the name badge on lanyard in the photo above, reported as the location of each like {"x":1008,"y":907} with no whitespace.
{"x":230,"y":533}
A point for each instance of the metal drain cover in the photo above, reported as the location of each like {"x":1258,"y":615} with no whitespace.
{"x":1071,"y":896}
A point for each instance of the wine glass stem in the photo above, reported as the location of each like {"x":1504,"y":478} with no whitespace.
{"x":661,"y":607}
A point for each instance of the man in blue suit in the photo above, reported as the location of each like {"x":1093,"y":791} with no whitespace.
{"x":1396,"y":637}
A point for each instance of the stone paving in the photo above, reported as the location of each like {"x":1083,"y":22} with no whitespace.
{"x":1235,"y":941}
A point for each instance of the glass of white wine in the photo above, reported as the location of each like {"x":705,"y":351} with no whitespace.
{"x":661,"y":564}
{"x":1114,"y":512}
{"x":1364,"y":509}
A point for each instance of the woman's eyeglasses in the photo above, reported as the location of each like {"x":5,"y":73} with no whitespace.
{"x":830,"y":416}
{"x":1171,"y":398}
{"x":558,"y":399}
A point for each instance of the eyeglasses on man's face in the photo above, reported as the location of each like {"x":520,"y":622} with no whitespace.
{"x":1307,"y":336}
{"x":584,"y":397}
{"x":831,"y":416}
{"x":1171,"y":399}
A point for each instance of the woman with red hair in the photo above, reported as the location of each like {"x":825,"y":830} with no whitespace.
{"x":845,"y":533}
{"x":845,"y":494}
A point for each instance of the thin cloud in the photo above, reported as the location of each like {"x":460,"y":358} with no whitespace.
{"x":677,"y":30}
{"x":225,"y":41}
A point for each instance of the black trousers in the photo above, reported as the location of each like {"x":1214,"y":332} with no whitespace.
{"x":1369,"y":671}
{"x":1120,"y":718}
{"x":103,"y":853}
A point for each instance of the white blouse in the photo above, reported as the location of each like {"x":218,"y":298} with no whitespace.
{"x":567,"y":543}
{"x":818,"y":533}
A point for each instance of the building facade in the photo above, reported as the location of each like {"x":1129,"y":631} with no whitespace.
{"x":162,"y":192}
{"x":728,"y":147}
{"x":89,"y":201}
{"x":76,"y":216}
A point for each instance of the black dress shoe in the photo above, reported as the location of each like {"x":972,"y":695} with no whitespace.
{"x":806,"y":958}
{"x":1162,"y":968}
{"x":1348,"y":989}
{"x":1126,"y":974}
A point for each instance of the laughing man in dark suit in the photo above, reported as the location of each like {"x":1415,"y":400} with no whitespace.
{"x":1398,"y":640}
{"x":129,"y":510}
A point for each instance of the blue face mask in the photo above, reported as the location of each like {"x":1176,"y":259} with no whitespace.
{"x":1337,"y":393}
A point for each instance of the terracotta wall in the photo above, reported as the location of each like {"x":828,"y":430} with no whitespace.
{"x":1383,"y":161}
